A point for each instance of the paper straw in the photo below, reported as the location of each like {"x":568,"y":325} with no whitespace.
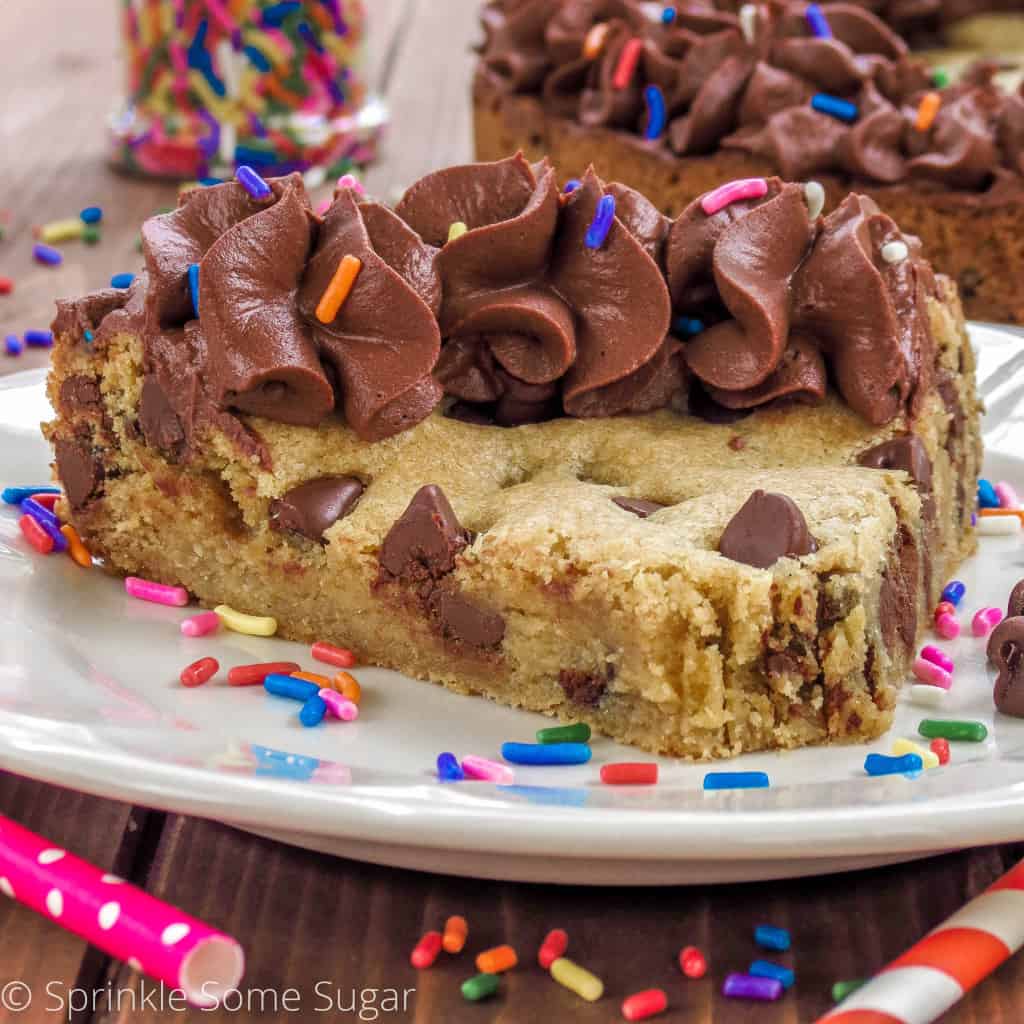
{"x":118,"y":918}
{"x":921,"y":985}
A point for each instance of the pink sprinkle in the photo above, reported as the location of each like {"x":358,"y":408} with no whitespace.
{"x":947,"y":626}
{"x":487,"y":771}
{"x":985,"y":620}
{"x":324,"y":207}
{"x":1007,"y":495}
{"x":338,"y":706}
{"x":201,"y":625}
{"x":352,"y":182}
{"x":733,"y":192}
{"x":937,"y":657}
{"x":146,"y":590}
{"x":931,"y":674}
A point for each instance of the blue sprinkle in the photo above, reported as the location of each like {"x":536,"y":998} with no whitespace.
{"x":668,"y":15}
{"x":953,"y":592}
{"x":987,"y":494}
{"x":207,"y":182}
{"x":883,"y":764}
{"x":193,"y":287}
{"x":47,"y":254}
{"x":571,"y":185}
{"x":768,"y":936}
{"x":766,"y":969}
{"x":549,"y":796}
{"x":546,"y":753}
{"x":122,"y":280}
{"x":842,"y":110}
{"x":51,"y":528}
{"x":39,"y":339}
{"x":687,"y":325}
{"x":655,"y":99}
{"x":252,"y":182}
{"x":216,"y":84}
{"x":974,"y":519}
{"x":601,"y":224}
{"x":313,"y":711}
{"x":88,"y":337}
{"x":290,"y":687}
{"x":260,"y":157}
{"x":448,"y":768}
{"x":40,"y":513}
{"x":310,"y":37}
{"x":197,"y":56}
{"x":16,"y":495}
{"x":13,"y":345}
{"x":818,"y":22}
{"x":91,"y":215}
{"x":282,"y":764}
{"x":736,"y":780}
{"x":257,"y":59}
{"x":276,"y":13}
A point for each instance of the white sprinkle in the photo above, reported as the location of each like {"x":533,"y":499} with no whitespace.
{"x":55,"y":902}
{"x":315,"y":176}
{"x":895,"y":252}
{"x":51,"y":856}
{"x":134,"y":964}
{"x":174,"y":933}
{"x":995,"y":526}
{"x":748,"y":22}
{"x":814,"y":197}
{"x":108,"y":915}
{"x":652,"y":10}
{"x":929,"y":696}
{"x":228,"y":142}
{"x":6,"y":888}
{"x":111,"y":880}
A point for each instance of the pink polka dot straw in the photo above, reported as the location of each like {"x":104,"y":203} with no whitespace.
{"x":114,"y":916}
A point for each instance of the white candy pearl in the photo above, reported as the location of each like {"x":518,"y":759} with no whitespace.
{"x":814,"y":197}
{"x":895,"y":252}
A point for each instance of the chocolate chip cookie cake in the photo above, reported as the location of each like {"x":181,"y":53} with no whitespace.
{"x":675,"y":99}
{"x":694,"y":482}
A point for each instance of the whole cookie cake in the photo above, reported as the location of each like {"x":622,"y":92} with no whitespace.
{"x":674,"y":100}
{"x":695,"y":482}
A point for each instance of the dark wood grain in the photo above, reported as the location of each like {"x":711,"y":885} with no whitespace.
{"x":305,"y":918}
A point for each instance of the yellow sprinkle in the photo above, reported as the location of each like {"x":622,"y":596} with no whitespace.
{"x":577,"y":980}
{"x":251,"y":625}
{"x":61,"y":230}
{"x":928,"y":757}
{"x":593,"y":43}
{"x":338,"y":288}
{"x":76,"y":549}
{"x":211,"y":100}
{"x":457,"y":230}
{"x":268,"y":46}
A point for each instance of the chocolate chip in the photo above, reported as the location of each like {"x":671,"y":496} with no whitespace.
{"x":951,"y":400}
{"x":897,"y":596}
{"x":80,"y":473}
{"x":583,"y":688}
{"x":638,"y":506}
{"x":313,"y":507}
{"x":425,"y":539}
{"x":460,"y":619}
{"x":80,"y":392}
{"x":160,"y":424}
{"x":1015,"y":605}
{"x":835,"y":601}
{"x":1006,"y":652}
{"x":907,"y":453}
{"x":767,"y":527}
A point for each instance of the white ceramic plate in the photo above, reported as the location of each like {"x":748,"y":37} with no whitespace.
{"x":89,"y":699}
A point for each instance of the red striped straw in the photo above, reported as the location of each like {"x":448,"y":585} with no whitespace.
{"x":118,"y":918}
{"x":922,"y":984}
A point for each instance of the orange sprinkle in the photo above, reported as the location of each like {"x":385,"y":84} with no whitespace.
{"x":593,"y":43}
{"x":279,"y":92}
{"x":348,"y":686}
{"x":311,"y":677}
{"x":455,"y":931}
{"x":494,"y":961}
{"x":986,"y":513}
{"x":321,"y":17}
{"x":76,"y":549}
{"x":929,"y":107}
{"x":337,"y":291}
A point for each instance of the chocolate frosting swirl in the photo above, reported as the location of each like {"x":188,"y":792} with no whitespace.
{"x":723,"y":89}
{"x":517,"y":319}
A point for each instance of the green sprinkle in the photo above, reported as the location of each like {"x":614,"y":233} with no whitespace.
{"x":480,"y":987}
{"x":91,"y":234}
{"x":577,"y":733}
{"x":969,"y":732}
{"x":841,"y":989}
{"x":941,"y":78}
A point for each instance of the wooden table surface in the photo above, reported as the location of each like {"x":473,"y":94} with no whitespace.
{"x":320,"y":925}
